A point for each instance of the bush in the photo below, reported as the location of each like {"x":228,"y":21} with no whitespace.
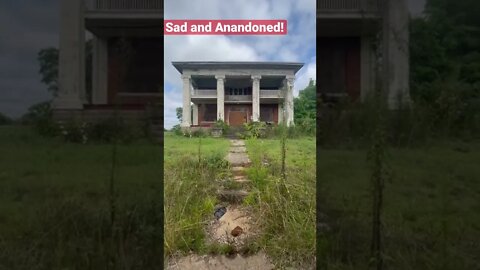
{"x":5,"y":120}
{"x":177,"y":130}
{"x":116,"y":129}
{"x":40,"y":116}
{"x":254,"y":130}
{"x":75,"y":132}
{"x":221,"y":125}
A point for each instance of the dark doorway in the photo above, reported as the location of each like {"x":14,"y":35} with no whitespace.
{"x":339,"y":67}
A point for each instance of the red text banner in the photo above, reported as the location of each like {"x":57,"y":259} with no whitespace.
{"x":225,"y":27}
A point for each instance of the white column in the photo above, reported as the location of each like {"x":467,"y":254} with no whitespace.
{"x":71,"y":79}
{"x":367,"y":61}
{"x":220,"y":97}
{"x":256,"y":97}
{"x":99,"y":71}
{"x":280,"y":113}
{"x":186,"y":114}
{"x":289,"y":101}
{"x":396,"y":54}
{"x":195,"y":114}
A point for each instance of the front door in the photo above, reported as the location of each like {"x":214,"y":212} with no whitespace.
{"x":237,"y":115}
{"x":237,"y":118}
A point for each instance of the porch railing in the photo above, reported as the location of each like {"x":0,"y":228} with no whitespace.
{"x":271,"y":94}
{"x":113,"y":5}
{"x":238,"y":98}
{"x":204,"y":93}
{"x":332,"y":6}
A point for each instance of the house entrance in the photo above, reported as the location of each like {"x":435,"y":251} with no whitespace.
{"x":237,"y":115}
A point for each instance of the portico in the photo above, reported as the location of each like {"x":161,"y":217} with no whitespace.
{"x":237,"y":92}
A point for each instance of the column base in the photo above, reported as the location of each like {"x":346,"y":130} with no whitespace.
{"x":66,"y":102}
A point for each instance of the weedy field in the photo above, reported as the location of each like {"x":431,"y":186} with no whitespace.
{"x":286,"y":220}
{"x":430,"y":216}
{"x":57,"y":209}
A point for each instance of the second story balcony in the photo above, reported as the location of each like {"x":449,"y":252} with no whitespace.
{"x":124,"y":9}
{"x":209,"y":94}
{"x":119,"y":17}
{"x":348,"y":9}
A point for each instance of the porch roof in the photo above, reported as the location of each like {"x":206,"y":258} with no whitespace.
{"x":180,"y":66}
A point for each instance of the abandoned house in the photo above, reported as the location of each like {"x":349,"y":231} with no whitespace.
{"x":126,"y":62}
{"x":237,"y":92}
{"x":353,"y":37}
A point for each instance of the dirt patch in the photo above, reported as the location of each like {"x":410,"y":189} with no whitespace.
{"x":258,"y":261}
{"x":236,"y":219}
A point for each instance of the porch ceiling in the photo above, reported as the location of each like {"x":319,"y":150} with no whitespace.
{"x":346,"y":27}
{"x":125,"y":27}
{"x":209,"y":82}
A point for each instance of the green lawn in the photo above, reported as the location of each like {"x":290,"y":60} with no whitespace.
{"x":193,"y":167}
{"x":55,"y":203}
{"x":431,"y":218}
{"x":285,"y":208}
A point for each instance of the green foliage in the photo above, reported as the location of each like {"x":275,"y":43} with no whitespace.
{"x":5,"y":120}
{"x":179,"y":112}
{"x":116,"y":129}
{"x":40,"y":116}
{"x":221,"y":125}
{"x":74,"y":131}
{"x":48,"y":60}
{"x":54,"y":212}
{"x":305,"y":106}
{"x":445,"y":69}
{"x":254,"y":130}
{"x":177,"y":130}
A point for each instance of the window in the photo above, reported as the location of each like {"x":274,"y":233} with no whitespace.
{"x":266,"y":114}
{"x":210,"y":113}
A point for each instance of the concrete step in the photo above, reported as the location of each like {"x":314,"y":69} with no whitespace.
{"x":236,"y":143}
{"x":241,"y":179}
{"x":238,"y":149}
{"x":238,"y":169}
{"x":233,"y":196}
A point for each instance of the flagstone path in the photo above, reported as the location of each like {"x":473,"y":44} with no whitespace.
{"x":234,"y":227}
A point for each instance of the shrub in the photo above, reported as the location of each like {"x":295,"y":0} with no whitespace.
{"x":117,"y":129}
{"x":221,"y":125}
{"x":254,"y":130}
{"x":75,"y":132}
{"x":40,"y":116}
{"x":5,"y":120}
{"x":177,"y":130}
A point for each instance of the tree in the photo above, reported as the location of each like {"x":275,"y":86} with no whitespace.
{"x":179,"y":111}
{"x":48,"y":61}
{"x":305,"y":104}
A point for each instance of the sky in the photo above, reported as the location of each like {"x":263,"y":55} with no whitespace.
{"x":27,"y":26}
{"x":297,"y":46}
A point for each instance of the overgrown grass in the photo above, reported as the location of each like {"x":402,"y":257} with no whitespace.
{"x":430,"y":216}
{"x":192,"y":166}
{"x":287,"y":218}
{"x":54,"y":204}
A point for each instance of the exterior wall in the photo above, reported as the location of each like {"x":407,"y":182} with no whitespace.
{"x":132,"y":79}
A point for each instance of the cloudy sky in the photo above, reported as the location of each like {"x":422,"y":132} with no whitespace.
{"x":27,"y":26}
{"x":297,"y":46}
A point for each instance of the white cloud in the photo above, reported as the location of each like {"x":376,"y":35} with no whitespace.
{"x":298,"y":45}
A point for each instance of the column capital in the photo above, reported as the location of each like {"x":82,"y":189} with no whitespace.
{"x":185,"y":76}
{"x":290,"y":78}
{"x":220,"y":77}
{"x":256,"y":77}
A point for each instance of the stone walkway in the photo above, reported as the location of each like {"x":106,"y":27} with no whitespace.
{"x":234,"y":227}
